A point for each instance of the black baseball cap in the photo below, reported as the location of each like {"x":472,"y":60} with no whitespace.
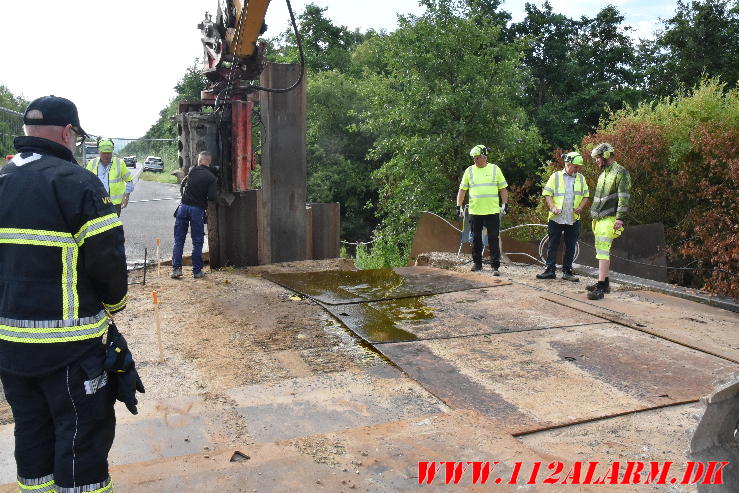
{"x":53,"y":110}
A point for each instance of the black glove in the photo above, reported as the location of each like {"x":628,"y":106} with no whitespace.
{"x":127,"y":384}
{"x":119,"y":363}
{"x":460,"y":211}
{"x":118,"y":358}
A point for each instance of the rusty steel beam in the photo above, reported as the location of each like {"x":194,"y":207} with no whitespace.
{"x":241,"y":144}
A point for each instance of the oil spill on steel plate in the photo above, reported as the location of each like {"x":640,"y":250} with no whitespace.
{"x":458,"y":314}
{"x":656,"y":372}
{"x":340,"y":287}
{"x":445,"y":381}
{"x":375,"y":325}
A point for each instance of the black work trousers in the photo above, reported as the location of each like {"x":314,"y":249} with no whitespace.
{"x":64,"y":426}
{"x":571,"y":234}
{"x":492,"y":223}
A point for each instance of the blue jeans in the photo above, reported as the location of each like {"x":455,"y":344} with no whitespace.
{"x":571,"y":234}
{"x":192,"y":216}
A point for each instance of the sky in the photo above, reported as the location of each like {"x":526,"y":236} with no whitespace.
{"x":119,"y":61}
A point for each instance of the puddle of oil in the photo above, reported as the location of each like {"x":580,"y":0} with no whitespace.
{"x":380,"y":322}
{"x":344,"y":286}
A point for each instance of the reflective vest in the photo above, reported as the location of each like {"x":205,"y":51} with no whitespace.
{"x":118,"y":175}
{"x":555,"y":188}
{"x":612,"y":193}
{"x":483,"y":185}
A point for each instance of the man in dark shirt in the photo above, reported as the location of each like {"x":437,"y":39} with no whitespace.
{"x":200,"y":188}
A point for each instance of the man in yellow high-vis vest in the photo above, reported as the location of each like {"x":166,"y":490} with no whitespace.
{"x":113,"y":174}
{"x":566,"y":194}
{"x":488,"y":200}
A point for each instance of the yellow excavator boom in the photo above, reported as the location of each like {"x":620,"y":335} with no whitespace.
{"x":251,"y":13}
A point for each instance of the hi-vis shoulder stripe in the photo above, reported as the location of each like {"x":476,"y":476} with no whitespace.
{"x":97,"y":226}
{"x":36,"y":237}
{"x":49,"y":331}
{"x":117,"y":306}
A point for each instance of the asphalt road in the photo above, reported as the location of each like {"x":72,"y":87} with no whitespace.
{"x":148,"y":217}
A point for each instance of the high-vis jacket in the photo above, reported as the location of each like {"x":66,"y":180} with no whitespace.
{"x":118,"y":176}
{"x":612,"y":193}
{"x":483,"y":185}
{"x":62,"y":259}
{"x":555,"y":187}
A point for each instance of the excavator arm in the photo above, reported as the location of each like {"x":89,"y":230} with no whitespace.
{"x":230,"y":43}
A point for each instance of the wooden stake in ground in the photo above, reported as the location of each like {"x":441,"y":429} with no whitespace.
{"x":159,"y":261}
{"x":158,"y":325}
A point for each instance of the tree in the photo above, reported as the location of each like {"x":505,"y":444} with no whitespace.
{"x":580,"y":69}
{"x":11,"y":125}
{"x":701,"y":39}
{"x":449,"y":83}
{"x":338,"y":167}
{"x":325,"y":45}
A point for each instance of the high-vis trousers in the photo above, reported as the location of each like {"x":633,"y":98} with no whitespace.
{"x":64,"y":427}
{"x":604,"y":236}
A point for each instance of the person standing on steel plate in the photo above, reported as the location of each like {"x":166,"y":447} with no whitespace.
{"x":566,"y":194}
{"x":609,"y":209}
{"x":488,"y":200}
{"x":200,"y":188}
{"x":62,"y":271}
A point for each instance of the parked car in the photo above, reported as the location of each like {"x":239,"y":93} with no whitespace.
{"x":130,"y":161}
{"x":154,"y":164}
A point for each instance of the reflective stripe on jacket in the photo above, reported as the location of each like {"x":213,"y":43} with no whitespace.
{"x":612,"y":193}
{"x":555,"y":188}
{"x":118,"y":175}
{"x":483,"y":185}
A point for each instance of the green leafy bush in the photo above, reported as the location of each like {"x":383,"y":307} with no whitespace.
{"x":383,"y":253}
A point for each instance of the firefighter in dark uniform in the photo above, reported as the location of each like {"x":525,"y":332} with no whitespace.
{"x":62,"y":267}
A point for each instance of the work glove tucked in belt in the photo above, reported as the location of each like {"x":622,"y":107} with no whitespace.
{"x":119,"y":363}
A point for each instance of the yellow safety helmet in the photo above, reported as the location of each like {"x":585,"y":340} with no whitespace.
{"x":105,"y":145}
{"x":573,"y":157}
{"x":479,"y":150}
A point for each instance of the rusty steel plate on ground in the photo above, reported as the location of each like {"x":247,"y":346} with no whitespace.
{"x":339,"y":287}
{"x":458,"y":314}
{"x":702,"y":327}
{"x":539,"y":379}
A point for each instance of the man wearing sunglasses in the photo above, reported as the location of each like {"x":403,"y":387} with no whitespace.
{"x":63,"y":270}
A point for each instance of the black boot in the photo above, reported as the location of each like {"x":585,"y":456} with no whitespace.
{"x":476,"y":267}
{"x":598,"y":292}
{"x":547,"y":274}
{"x":569,"y":276}
{"x":594,"y":286}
